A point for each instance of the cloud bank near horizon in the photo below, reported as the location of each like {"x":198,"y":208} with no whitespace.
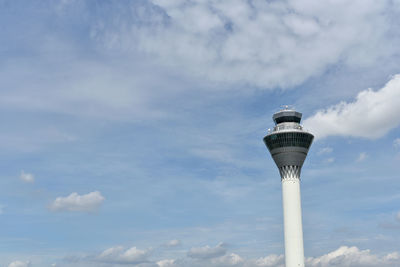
{"x":343,"y":256}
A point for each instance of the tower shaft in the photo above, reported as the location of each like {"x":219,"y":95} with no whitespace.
{"x":294,"y":251}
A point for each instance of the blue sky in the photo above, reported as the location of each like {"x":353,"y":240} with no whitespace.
{"x":132,"y":131}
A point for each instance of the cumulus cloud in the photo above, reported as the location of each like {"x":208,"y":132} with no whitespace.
{"x":27,"y":177}
{"x":120,"y":255}
{"x":74,"y":202}
{"x":215,"y":257}
{"x":394,"y":256}
{"x":271,"y":260}
{"x":263,"y":43}
{"x":371,"y":115}
{"x":207,"y":252}
{"x":19,"y":264}
{"x":343,"y":256}
{"x":231,"y":259}
{"x":354,"y":257}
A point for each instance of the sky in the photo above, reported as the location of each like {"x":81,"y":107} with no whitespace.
{"x":132,"y":131}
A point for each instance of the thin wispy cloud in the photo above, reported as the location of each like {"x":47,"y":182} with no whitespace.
{"x":330,"y":160}
{"x":325,"y":150}
{"x":27,"y":177}
{"x":396,"y":143}
{"x":173,"y":243}
{"x":362,"y":156}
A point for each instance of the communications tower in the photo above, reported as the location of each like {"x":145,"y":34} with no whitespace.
{"x":288,"y":144}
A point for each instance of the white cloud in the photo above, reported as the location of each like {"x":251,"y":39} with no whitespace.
{"x":207,"y":252}
{"x":120,"y":255}
{"x":231,"y":259}
{"x":325,"y":150}
{"x":271,"y":260}
{"x":371,"y":115}
{"x":362,"y":156}
{"x":19,"y":264}
{"x":396,"y":143}
{"x":330,"y":160}
{"x":74,"y":202}
{"x":166,"y":263}
{"x":343,"y":256}
{"x":27,"y":177}
{"x":352,"y":257}
{"x":392,"y":256}
{"x":398,"y":216}
{"x":263,"y":43}
{"x":173,"y":243}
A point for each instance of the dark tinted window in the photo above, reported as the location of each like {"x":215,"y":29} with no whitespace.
{"x":287,"y":119}
{"x":288,"y":139}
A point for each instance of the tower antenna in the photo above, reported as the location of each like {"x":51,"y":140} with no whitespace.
{"x":287,"y":107}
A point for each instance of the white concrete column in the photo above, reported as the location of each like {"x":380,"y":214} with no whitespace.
{"x":294,"y":251}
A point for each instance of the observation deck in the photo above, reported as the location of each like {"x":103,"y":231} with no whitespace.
{"x":288,"y":142}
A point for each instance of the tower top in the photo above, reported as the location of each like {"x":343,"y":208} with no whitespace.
{"x":288,"y":142}
{"x":287,"y":115}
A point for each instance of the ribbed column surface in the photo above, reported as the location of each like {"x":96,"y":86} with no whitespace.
{"x":294,"y":251}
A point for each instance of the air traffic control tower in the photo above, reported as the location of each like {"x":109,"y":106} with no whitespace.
{"x":288,"y":144}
